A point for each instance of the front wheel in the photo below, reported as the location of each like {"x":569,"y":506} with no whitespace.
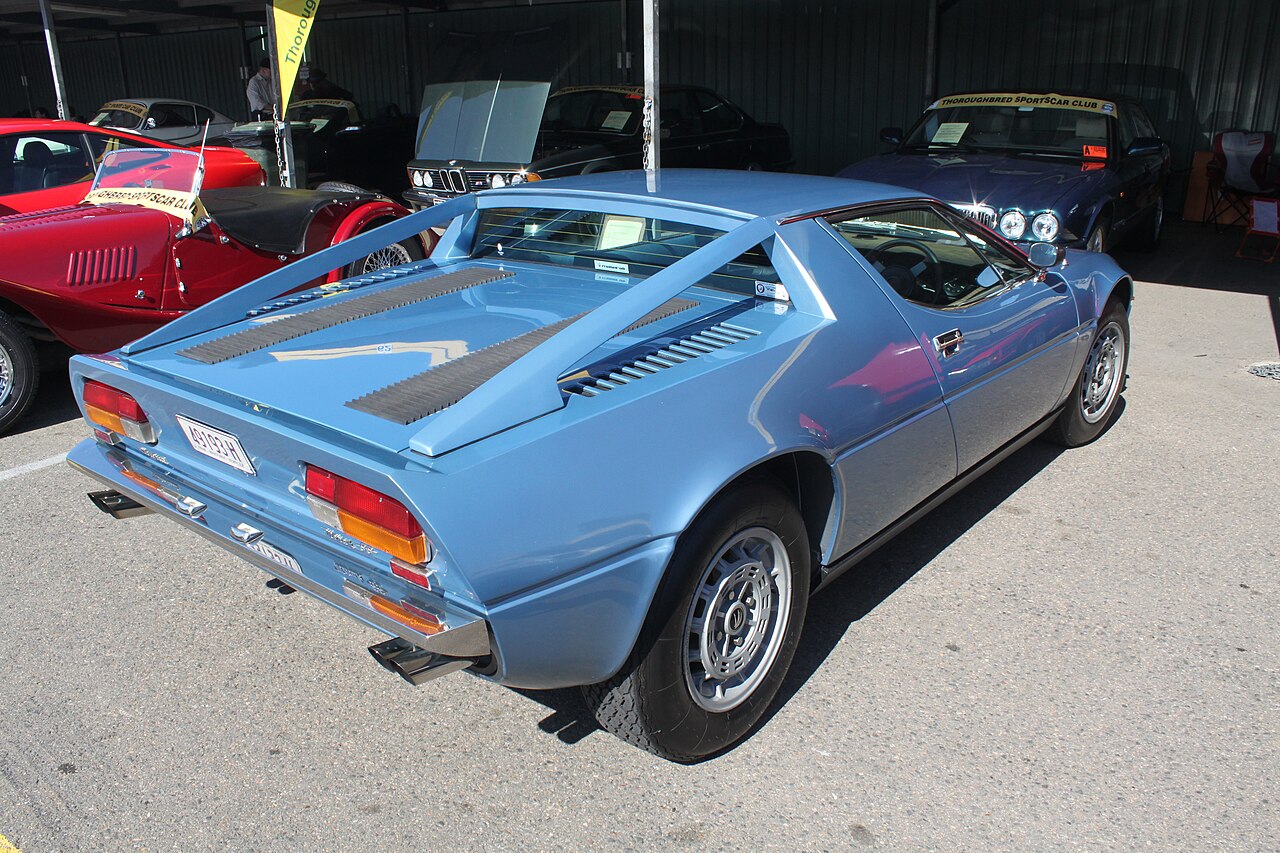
{"x":1100,"y":237}
{"x":720,"y":634}
{"x":19,"y":372}
{"x":1096,"y":395}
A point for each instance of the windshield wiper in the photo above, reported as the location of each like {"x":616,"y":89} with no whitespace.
{"x":964,"y":147}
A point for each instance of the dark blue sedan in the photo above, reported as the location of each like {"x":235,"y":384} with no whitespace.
{"x":1074,"y":170}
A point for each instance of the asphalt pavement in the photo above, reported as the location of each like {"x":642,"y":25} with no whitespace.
{"x":1079,"y":652}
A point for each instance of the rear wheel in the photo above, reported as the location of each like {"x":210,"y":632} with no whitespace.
{"x":394,"y":255}
{"x":19,"y":372}
{"x":1148,"y":239}
{"x":1100,"y":237}
{"x":1096,"y":395}
{"x":720,"y":634}
{"x":342,"y":187}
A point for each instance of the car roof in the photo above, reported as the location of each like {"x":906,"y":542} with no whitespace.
{"x":740,"y":194}
{"x":14,"y":125}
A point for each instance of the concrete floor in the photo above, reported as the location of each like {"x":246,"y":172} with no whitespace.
{"x":1077,"y":652}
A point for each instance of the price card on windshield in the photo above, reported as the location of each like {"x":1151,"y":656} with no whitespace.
{"x":950,"y":132}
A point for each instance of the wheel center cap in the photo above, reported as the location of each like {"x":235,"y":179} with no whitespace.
{"x":735,"y":618}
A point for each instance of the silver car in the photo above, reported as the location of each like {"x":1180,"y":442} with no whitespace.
{"x":179,"y":122}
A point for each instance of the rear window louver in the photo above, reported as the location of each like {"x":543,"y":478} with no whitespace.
{"x":375,"y":277}
{"x":674,"y":352}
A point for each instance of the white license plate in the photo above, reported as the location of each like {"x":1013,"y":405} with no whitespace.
{"x":274,"y":554}
{"x":216,"y":444}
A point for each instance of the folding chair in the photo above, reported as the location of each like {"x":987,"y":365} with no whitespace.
{"x":1239,"y":171}
{"x":1264,"y":221}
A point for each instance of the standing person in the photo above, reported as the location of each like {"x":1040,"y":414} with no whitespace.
{"x":259,"y":92}
{"x":323,"y":87}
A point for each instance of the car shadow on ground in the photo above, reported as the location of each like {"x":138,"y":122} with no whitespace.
{"x":855,"y":594}
{"x":1193,"y":254}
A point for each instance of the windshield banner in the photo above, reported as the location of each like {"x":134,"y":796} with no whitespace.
{"x":125,"y":107}
{"x":293,"y":22}
{"x":349,"y":106}
{"x":185,"y":206}
{"x":1023,"y":99}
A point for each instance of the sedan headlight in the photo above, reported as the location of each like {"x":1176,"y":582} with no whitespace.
{"x":1013,"y":224}
{"x":1045,"y":227}
{"x":426,"y":180}
{"x":497,"y":181}
{"x":416,"y":177}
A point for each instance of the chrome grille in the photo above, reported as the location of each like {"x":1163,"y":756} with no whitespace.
{"x":980,"y":212}
{"x":686,"y":348}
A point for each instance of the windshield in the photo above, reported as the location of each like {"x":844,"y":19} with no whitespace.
{"x":1052,"y":131}
{"x":151,"y":168}
{"x":123,"y":116}
{"x":595,"y":111}
{"x":609,"y":243}
{"x":323,"y":113}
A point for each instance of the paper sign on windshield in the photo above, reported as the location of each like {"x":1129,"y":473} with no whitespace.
{"x":950,"y":132}
{"x":1099,"y":151}
{"x":185,"y":206}
{"x":615,"y":120}
{"x":125,"y":107}
{"x":620,"y":231}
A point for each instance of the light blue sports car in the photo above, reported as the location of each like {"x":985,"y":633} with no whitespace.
{"x":616,"y":430}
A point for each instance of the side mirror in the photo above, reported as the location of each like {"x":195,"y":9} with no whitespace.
{"x":1045,"y":255}
{"x":891,"y":135}
{"x":151,"y":124}
{"x":1145,"y":146}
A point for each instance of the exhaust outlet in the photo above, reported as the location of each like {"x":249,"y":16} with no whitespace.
{"x":117,"y":505}
{"x":415,"y":665}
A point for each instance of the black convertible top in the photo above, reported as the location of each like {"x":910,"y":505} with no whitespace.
{"x":273,"y":219}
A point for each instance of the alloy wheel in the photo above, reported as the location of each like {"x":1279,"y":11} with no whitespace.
{"x":1102,"y":377}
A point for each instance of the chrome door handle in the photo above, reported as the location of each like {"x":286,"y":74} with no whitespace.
{"x":948,"y":344}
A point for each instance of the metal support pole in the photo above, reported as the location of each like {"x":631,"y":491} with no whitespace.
{"x":652,"y":109}
{"x":284,"y":139}
{"x":124,"y":72}
{"x":55,"y":62}
{"x":22,"y":72}
{"x":931,"y":55}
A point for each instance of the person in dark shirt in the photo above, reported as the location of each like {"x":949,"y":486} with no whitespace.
{"x":324,"y":88}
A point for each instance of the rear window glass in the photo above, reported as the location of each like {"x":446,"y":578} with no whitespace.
{"x":610,"y":243}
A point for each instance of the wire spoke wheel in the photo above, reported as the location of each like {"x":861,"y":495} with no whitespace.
{"x":737,"y":619}
{"x":1102,"y":373}
{"x":392,"y":256}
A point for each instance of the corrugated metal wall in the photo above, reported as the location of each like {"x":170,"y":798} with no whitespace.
{"x":832,"y":71}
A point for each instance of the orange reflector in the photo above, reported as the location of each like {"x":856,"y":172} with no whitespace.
{"x":410,"y":550}
{"x":403,"y":616}
{"x":102,"y":417}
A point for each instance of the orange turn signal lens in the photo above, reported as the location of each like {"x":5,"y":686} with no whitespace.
{"x":411,"y":550}
{"x":404,"y":616}
{"x":103,"y":418}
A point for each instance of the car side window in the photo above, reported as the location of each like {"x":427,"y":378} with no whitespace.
{"x":717,"y":115}
{"x":46,"y":160}
{"x":680,"y":115}
{"x":1143,"y":122}
{"x":923,"y":257}
{"x":1128,"y":129}
{"x":203,"y":114}
{"x":171,"y":115}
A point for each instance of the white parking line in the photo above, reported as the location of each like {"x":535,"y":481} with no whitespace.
{"x":28,"y":468}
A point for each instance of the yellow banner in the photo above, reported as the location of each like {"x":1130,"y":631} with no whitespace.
{"x":125,"y":107}
{"x":293,"y":22}
{"x":185,"y":206}
{"x":1024,"y":99}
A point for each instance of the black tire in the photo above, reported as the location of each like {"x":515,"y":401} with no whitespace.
{"x":342,"y":187}
{"x":1147,"y":239}
{"x":1099,"y":239}
{"x":1081,"y":422}
{"x":19,"y":373}
{"x":395,"y":254}
{"x":650,"y":702}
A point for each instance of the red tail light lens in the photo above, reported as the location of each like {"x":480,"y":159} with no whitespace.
{"x":117,"y":411}
{"x":371,"y":517}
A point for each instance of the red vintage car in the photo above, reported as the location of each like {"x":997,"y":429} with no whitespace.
{"x":46,"y":163}
{"x":148,"y":244}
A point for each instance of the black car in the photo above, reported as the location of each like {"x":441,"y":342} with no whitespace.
{"x":584,"y":129}
{"x":352,"y":148}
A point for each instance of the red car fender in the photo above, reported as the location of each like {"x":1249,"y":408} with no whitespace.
{"x":360,"y":219}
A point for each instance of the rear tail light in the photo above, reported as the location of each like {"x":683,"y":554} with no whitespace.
{"x":116,"y":411}
{"x":406,"y":613}
{"x":366,"y":515}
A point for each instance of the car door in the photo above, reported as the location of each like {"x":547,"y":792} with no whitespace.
{"x":1139,"y":173}
{"x":1001,"y":338}
{"x":721,"y":145}
{"x":681,"y":128}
